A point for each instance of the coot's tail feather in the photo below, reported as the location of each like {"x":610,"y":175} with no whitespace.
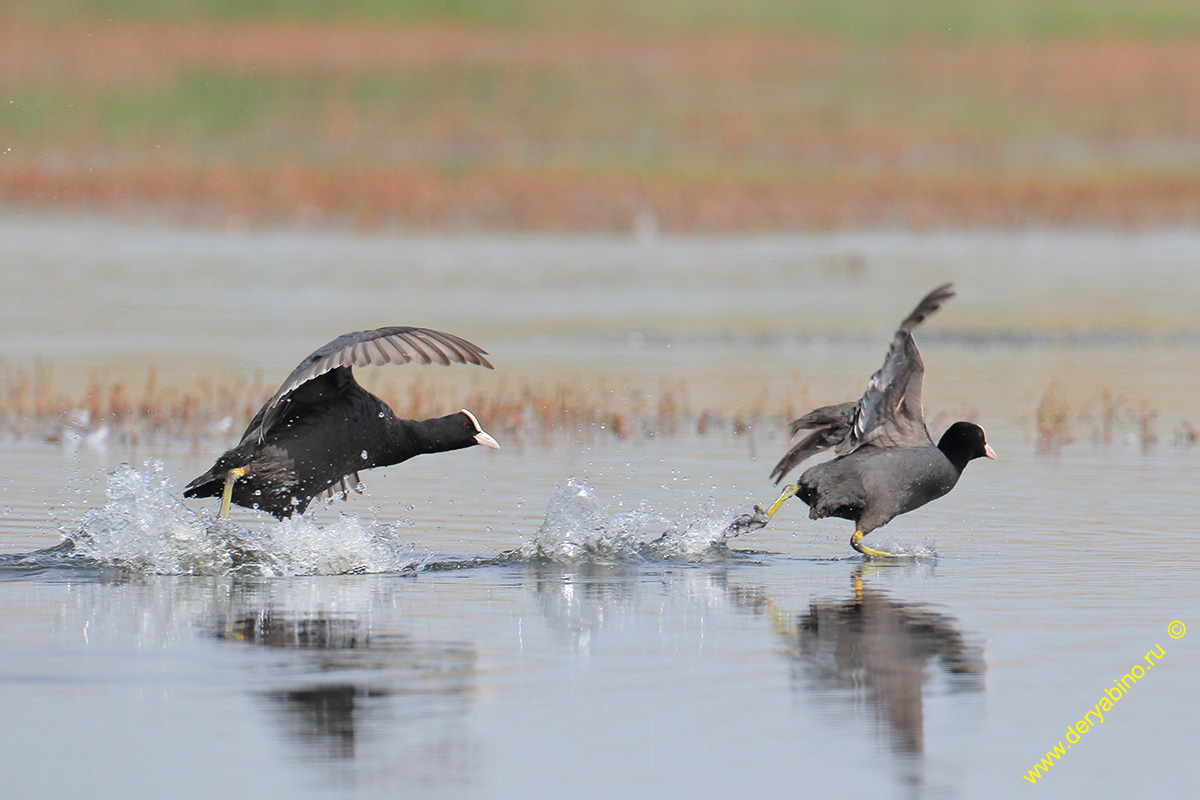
{"x":204,"y":486}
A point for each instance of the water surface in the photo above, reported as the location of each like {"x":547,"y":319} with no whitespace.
{"x":569,"y":617}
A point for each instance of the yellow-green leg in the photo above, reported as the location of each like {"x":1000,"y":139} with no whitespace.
{"x":227,"y":495}
{"x":855,"y":540}
{"x":869,"y":552}
{"x":788,"y":491}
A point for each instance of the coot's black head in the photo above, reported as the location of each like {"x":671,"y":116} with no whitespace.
{"x":460,"y":430}
{"x":963,"y":442}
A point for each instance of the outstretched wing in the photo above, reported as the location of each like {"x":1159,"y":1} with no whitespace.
{"x":889,"y":412}
{"x":396,"y":345}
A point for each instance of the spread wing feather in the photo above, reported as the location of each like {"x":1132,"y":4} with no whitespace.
{"x":889,"y":413}
{"x":394,"y":345}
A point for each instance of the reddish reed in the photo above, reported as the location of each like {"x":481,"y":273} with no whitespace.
{"x":529,"y":411}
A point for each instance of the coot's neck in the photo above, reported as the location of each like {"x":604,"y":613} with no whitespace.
{"x":413,"y":437}
{"x":954,"y":453}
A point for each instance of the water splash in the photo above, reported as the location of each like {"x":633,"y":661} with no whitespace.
{"x":914,"y":552}
{"x":578,"y":529}
{"x":145,"y":527}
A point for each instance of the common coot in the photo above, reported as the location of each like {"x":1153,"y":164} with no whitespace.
{"x":321,"y":427}
{"x":887,"y":463}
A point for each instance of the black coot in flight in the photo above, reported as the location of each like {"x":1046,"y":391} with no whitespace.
{"x":322,"y":427}
{"x":887,"y":463}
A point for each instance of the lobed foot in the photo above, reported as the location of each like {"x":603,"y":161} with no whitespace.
{"x":870,"y":552}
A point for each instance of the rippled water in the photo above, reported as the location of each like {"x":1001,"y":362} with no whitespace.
{"x":575,"y":617}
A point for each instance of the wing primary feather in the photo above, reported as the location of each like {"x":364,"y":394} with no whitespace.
{"x":396,"y":354}
{"x":437,"y":351}
{"x":446,"y":354}
{"x":379,"y":356}
{"x":929,"y":304}
{"x":464,"y":350}
{"x":415,"y":343}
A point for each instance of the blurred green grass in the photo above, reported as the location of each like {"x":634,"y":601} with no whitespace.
{"x":856,"y":110}
{"x":854,"y":20}
{"x":762,"y":113}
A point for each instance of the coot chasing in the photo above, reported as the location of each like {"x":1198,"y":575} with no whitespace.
{"x":321,"y":427}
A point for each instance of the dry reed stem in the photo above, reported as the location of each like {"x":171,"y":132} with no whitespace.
{"x":528,"y":412}
{"x":1053,"y":422}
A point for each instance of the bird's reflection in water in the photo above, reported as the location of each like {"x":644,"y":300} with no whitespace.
{"x":320,"y":715}
{"x":871,"y":650}
{"x":323,"y":716}
{"x":577,"y":603}
{"x":384,"y":705}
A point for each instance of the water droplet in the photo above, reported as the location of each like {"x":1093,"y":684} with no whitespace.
{"x":364,"y":455}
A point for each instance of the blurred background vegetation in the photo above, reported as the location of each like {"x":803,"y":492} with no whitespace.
{"x":696,"y":115}
{"x":854,"y":19}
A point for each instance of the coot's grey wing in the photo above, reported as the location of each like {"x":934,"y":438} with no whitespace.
{"x":889,"y":412}
{"x":829,"y":425}
{"x":394,"y":345}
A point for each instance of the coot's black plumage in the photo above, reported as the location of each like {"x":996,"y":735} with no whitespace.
{"x":887,"y":463}
{"x":321,"y":427}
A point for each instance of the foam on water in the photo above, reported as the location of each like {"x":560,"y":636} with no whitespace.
{"x":578,"y":529}
{"x":145,"y":527}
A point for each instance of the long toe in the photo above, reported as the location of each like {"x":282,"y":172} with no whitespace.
{"x":869,"y":552}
